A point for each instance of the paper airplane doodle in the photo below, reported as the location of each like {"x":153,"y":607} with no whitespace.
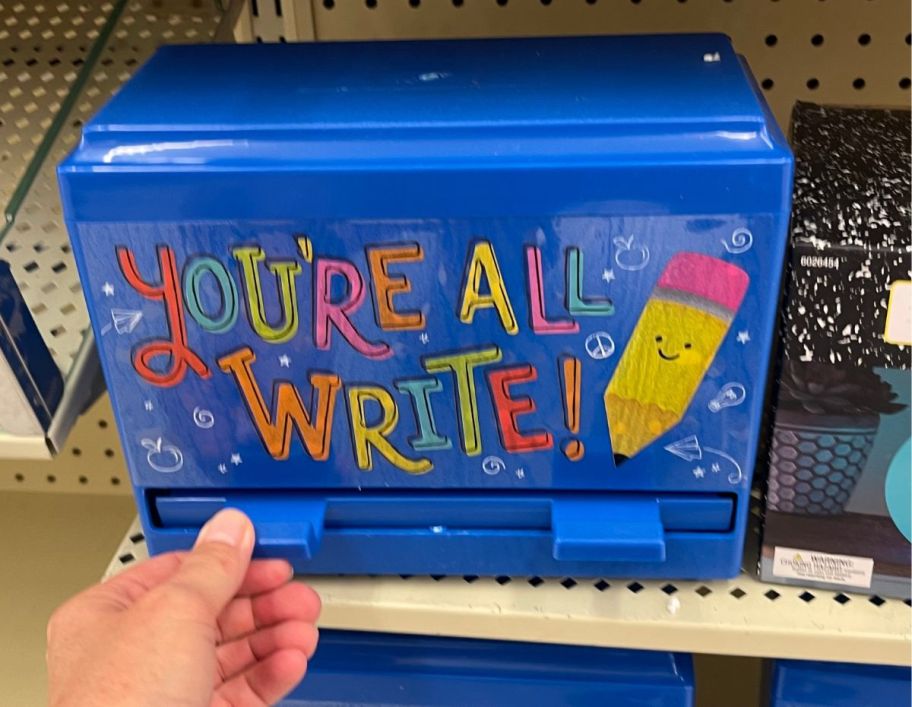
{"x":125,"y":320}
{"x":687,"y":449}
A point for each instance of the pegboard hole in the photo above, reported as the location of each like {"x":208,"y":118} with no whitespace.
{"x":103,"y":424}
{"x":813,"y":84}
{"x":635,"y":587}
{"x":568,"y":583}
{"x":771,"y":40}
{"x":877,"y":601}
{"x":469,"y":578}
{"x":669,"y":589}
{"x":137,"y":538}
{"x":864,"y":39}
{"x":841,"y":599}
{"x":503,"y":579}
{"x":76,"y":451}
{"x":502,"y":3}
{"x":109,"y":453}
{"x":371,"y":4}
{"x":601,"y":585}
{"x":817,"y":40}
{"x":738,"y":593}
{"x":703,"y":591}
{"x":904,"y":83}
{"x":536,"y":581}
{"x":51,"y":479}
{"x":767,"y":84}
{"x":329,"y":4}
{"x":19,"y":477}
{"x":858,"y":84}
{"x":806,"y":597}
{"x":83,"y":480}
{"x":115,"y":481}
{"x":772,"y":595}
{"x":457,"y":3}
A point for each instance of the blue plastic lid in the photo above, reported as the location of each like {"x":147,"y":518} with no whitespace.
{"x":608,"y":98}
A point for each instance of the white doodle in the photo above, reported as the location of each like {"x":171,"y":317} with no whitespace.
{"x":108,"y":289}
{"x":492,"y":465}
{"x":687,"y":449}
{"x":423,"y":337}
{"x":599,"y":345}
{"x":125,"y":320}
{"x":630,"y":255}
{"x":712,"y":57}
{"x":715,"y":468}
{"x":433,"y":76}
{"x":203,"y":418}
{"x":162,"y":456}
{"x":735,"y":477}
{"x":149,"y":406}
{"x":608,"y":275}
{"x":284,"y":360}
{"x":740,"y":242}
{"x":236,"y":459}
{"x":106,"y":328}
{"x":729,"y":396}
{"x":743,"y":337}
{"x":520,"y":473}
{"x":223,"y":468}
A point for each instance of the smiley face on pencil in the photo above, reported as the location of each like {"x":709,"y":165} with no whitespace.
{"x":673,"y":344}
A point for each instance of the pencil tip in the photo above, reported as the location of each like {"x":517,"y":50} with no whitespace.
{"x":620,"y":459}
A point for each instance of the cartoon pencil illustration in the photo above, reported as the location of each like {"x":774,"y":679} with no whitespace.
{"x":675,"y":340}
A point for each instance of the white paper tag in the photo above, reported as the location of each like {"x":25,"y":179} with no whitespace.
{"x":823,"y":567}
{"x":898,"y":329}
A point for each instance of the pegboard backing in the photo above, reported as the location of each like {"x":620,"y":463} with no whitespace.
{"x":829,"y":51}
{"x":740,"y":616}
{"x":43,"y":45}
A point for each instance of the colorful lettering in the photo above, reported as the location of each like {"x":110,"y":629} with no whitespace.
{"x":313,"y":427}
{"x":285,"y":272}
{"x":576,"y":303}
{"x":367,"y":437}
{"x":538,"y":319}
{"x":175,"y":350}
{"x":387,"y":286}
{"x":462,"y":365}
{"x":226,"y":316}
{"x":483,"y":263}
{"x":327,"y":312}
{"x":419,"y":389}
{"x":508,"y":409}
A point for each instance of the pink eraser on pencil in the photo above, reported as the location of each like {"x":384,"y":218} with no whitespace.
{"x":707,"y":277}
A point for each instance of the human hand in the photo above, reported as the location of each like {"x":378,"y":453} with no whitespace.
{"x":199,"y":628}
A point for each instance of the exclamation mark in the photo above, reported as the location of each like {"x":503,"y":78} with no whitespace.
{"x":571,"y":372}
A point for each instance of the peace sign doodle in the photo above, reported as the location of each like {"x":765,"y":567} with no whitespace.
{"x":599,"y":345}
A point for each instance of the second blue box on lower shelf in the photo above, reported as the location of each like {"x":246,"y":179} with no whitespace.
{"x":352,"y":668}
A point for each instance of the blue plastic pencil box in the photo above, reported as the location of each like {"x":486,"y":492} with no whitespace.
{"x":483,"y":307}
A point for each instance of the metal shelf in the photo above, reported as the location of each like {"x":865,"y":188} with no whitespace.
{"x":59,"y":63}
{"x":742,"y":616}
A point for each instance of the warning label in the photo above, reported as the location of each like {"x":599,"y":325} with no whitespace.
{"x":823,"y":567}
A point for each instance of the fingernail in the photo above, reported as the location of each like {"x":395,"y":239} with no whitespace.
{"x":228,"y":526}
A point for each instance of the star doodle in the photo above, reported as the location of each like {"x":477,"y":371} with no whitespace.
{"x":235,"y":458}
{"x":608,"y":274}
{"x":284,"y":361}
{"x":148,"y":405}
{"x":699,"y":472}
{"x":743,"y":337}
{"x":108,"y":289}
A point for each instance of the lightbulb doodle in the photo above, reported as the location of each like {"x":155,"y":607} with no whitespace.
{"x":729,"y":396}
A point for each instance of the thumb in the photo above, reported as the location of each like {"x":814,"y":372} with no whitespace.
{"x":216,"y":566}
